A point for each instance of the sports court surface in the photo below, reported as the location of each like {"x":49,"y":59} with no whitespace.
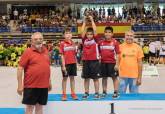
{"x":152,"y":88}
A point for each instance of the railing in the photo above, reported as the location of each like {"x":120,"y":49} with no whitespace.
{"x":138,"y":28}
{"x":4,"y":29}
{"x":74,"y":29}
{"x":46,"y":29}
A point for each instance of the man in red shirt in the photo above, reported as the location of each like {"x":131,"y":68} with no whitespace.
{"x":36,"y":66}
{"x":90,"y":57}
{"x":109,"y":50}
{"x":69,"y":67}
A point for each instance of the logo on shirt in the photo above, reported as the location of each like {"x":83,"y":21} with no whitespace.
{"x":69,"y":48}
{"x":133,"y":51}
{"x":107,"y":47}
{"x":89,"y":42}
{"x":123,"y":55}
{"x":128,"y":55}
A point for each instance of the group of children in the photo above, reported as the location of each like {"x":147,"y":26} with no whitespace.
{"x":99,"y":56}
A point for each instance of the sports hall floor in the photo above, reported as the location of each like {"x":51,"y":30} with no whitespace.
{"x":8,"y":85}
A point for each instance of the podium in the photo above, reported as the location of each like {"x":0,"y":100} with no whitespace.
{"x":125,"y":104}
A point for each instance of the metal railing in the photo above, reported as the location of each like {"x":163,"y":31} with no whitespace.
{"x":155,"y":27}
{"x":4,"y":29}
{"x":46,"y":29}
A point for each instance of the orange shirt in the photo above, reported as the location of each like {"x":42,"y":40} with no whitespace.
{"x":128,"y":66}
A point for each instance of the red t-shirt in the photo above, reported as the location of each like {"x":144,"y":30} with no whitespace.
{"x":90,"y":49}
{"x":36,"y":68}
{"x":108,"y":49}
{"x":68,"y":49}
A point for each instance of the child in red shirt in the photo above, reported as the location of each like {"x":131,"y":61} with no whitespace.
{"x":69,"y":67}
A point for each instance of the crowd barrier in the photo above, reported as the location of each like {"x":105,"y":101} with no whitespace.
{"x":4,"y":29}
{"x":138,"y":28}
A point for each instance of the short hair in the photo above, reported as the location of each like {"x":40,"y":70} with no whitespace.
{"x":37,"y":33}
{"x":67,"y":29}
{"x":130,"y":31}
{"x":108,"y":28}
{"x":90,"y":29}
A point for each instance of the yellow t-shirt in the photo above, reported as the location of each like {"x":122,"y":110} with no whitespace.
{"x":128,"y":66}
{"x":146,"y":49}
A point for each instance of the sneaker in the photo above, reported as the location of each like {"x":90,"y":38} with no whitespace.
{"x":115,"y":95}
{"x":103,"y":95}
{"x":74,"y":96}
{"x":64,"y":97}
{"x":96,"y":96}
{"x":85,"y":96}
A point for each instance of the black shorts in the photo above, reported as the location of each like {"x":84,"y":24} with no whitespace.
{"x":146,"y":56}
{"x":107,"y":70}
{"x":71,"y":70}
{"x":162,"y":56}
{"x":152,"y":54}
{"x":32,"y":96}
{"x":91,"y":69}
{"x":157,"y":53}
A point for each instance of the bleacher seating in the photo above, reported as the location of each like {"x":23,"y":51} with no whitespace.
{"x":45,"y":29}
{"x":4,"y":29}
{"x":156,"y":27}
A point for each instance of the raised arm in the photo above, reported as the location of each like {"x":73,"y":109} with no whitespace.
{"x":93,"y":25}
{"x":83,"y":28}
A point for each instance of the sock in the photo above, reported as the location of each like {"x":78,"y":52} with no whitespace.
{"x":96,"y":93}
{"x":104,"y":92}
{"x":115,"y":91}
{"x":87,"y":93}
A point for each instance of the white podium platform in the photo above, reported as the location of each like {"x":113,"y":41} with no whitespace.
{"x":104,"y":107}
{"x":126,"y":104}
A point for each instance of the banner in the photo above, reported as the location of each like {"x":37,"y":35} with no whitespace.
{"x":150,"y":71}
{"x":118,"y":28}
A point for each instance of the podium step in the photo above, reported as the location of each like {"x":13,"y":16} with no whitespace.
{"x":12,"y":110}
{"x":125,"y":104}
{"x":144,"y":96}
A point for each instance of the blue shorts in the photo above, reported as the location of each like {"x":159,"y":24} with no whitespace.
{"x":131,"y":82}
